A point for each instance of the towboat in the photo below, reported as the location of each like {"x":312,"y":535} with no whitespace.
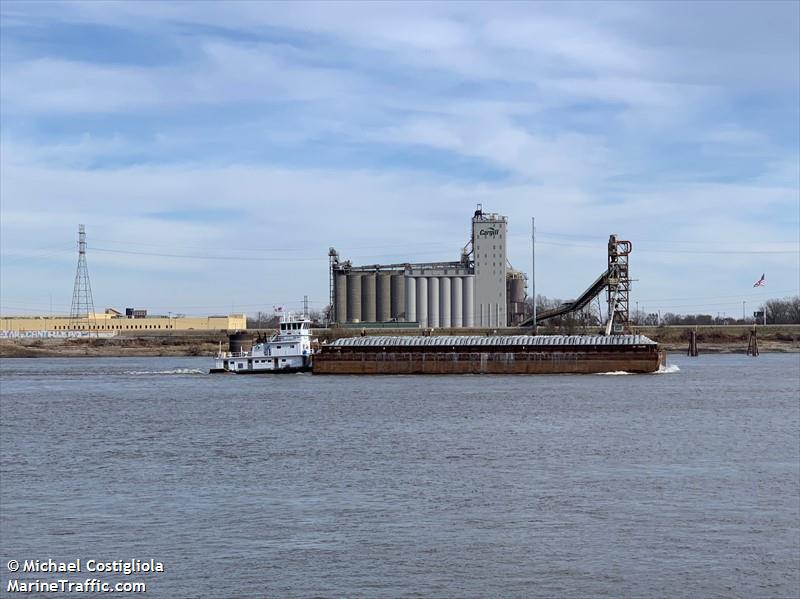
{"x":289,"y":350}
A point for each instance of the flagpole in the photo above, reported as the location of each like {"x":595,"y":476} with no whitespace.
{"x":533,"y":269}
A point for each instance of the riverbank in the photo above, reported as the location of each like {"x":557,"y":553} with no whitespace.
{"x":188,"y":344}
{"x":726,"y":338}
{"x":710,"y":339}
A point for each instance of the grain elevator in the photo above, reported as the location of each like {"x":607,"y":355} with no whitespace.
{"x":478,"y":290}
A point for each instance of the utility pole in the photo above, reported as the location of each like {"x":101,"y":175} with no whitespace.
{"x":743,"y":312}
{"x":533,"y":269}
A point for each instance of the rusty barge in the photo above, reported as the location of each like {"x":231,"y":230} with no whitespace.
{"x":517,"y":354}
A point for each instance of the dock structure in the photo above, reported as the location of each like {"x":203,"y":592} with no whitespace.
{"x":517,"y":354}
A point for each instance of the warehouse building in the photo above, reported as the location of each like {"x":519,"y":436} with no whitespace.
{"x":112,"y":321}
{"x":478,"y":290}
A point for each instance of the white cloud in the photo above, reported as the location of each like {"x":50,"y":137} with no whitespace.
{"x":575,"y":119}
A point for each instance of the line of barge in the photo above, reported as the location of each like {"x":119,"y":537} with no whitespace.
{"x":517,"y":354}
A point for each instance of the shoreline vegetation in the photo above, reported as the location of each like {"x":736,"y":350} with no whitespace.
{"x":675,"y":339}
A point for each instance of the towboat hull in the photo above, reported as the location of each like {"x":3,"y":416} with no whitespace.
{"x":264,"y":371}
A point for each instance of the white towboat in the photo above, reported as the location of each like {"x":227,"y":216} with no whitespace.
{"x":288,"y":350}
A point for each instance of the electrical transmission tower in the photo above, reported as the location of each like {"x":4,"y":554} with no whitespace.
{"x":81,"y":315}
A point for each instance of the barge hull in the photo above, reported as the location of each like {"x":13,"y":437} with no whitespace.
{"x":487,"y":362}
{"x":517,"y":354}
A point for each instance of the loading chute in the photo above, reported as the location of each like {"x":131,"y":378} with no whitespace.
{"x":615,"y":280}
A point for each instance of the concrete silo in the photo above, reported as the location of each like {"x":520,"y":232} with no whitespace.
{"x":340,"y":297}
{"x":433,"y":301}
{"x":422,"y":301}
{"x":383,"y":297}
{"x":445,"y":288}
{"x":469,"y":301}
{"x":411,"y":299}
{"x":456,"y":303}
{"x":398,"y":301}
{"x":368,"y":299}
{"x":354,"y":297}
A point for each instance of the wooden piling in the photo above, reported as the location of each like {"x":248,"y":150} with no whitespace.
{"x":752,"y":344}
{"x":692,"y":344}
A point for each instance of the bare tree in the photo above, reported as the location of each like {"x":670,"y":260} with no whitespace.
{"x":783,"y":311}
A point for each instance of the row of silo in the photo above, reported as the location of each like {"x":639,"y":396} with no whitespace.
{"x":445,"y":301}
{"x":368,"y":297}
{"x":440,"y":301}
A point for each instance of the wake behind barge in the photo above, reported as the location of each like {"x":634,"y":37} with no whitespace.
{"x":518,"y":354}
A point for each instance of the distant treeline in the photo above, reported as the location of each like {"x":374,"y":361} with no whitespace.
{"x":779,"y":311}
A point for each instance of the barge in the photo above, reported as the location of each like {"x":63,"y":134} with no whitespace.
{"x":518,"y":354}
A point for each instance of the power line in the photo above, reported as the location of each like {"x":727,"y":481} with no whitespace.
{"x":198,"y":257}
{"x":255,"y":249}
{"x":21,"y":256}
{"x":646,"y":250}
{"x":669,"y":241}
{"x":243,"y":258}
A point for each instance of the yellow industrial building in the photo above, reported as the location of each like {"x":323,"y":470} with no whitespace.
{"x":112,"y":321}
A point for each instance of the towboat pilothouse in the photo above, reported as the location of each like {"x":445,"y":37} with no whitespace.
{"x":288,"y":350}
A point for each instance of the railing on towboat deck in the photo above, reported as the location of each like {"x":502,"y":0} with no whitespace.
{"x":227,"y":354}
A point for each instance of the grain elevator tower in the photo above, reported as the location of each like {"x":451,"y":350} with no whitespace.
{"x":489,"y":253}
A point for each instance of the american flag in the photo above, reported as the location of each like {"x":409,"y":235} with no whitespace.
{"x":278,"y":308}
{"x":761,"y":282}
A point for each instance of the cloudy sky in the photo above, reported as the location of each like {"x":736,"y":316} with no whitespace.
{"x":215,"y":151}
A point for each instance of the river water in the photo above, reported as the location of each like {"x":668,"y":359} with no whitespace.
{"x":681,"y":484}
